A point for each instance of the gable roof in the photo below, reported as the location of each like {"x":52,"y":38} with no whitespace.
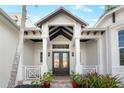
{"x":107,"y":14}
{"x":60,"y":10}
{"x":8,"y":18}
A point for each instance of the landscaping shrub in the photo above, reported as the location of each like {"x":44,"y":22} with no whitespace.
{"x":76,"y":80}
{"x":94,"y":80}
{"x":45,"y":80}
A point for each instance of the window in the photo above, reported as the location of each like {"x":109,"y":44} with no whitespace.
{"x":121,"y":46}
{"x":60,"y":46}
{"x":41,"y":57}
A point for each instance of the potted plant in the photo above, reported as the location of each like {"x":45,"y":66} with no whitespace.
{"x":76,"y":80}
{"x":47,"y":79}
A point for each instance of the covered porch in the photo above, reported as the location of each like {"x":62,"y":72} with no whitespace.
{"x":92,"y":48}
{"x":89,"y":52}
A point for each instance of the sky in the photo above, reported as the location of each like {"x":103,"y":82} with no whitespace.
{"x":89,"y":13}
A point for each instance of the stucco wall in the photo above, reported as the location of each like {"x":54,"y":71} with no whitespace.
{"x":28,"y":53}
{"x":8,"y":45}
{"x":108,"y":19}
{"x":113,"y":64}
{"x":91,"y":53}
{"x":61,"y":19}
{"x":37,"y":50}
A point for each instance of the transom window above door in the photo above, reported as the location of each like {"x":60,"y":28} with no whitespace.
{"x":60,"y":46}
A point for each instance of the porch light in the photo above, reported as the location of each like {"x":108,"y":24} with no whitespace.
{"x":48,"y":53}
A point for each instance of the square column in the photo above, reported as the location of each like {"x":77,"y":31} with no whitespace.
{"x":100,"y":56}
{"x":78,"y":67}
{"x":44,"y":67}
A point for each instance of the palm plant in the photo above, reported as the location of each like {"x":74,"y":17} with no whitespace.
{"x":109,"y":7}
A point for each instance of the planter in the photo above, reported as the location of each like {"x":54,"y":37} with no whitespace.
{"x":46,"y":85}
{"x":75,"y":85}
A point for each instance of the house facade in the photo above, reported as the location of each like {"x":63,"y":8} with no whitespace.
{"x":62,"y":43}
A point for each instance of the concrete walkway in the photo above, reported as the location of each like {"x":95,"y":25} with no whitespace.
{"x":61,"y":82}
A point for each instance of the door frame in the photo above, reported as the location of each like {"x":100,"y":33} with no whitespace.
{"x":68,"y":60}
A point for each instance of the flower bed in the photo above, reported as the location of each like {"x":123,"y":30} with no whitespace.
{"x":94,"y":80}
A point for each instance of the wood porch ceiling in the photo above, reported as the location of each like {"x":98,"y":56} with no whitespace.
{"x":66,"y":31}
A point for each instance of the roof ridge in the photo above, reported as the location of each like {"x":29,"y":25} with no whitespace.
{"x":61,"y":9}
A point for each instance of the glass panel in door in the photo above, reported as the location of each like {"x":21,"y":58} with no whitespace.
{"x":65,"y":60}
{"x":56,"y":60}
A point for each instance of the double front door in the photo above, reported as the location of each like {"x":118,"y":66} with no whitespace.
{"x":61,"y":63}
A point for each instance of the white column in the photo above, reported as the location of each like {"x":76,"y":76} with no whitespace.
{"x":77,"y":54}
{"x":100,"y":57}
{"x":44,"y":67}
{"x":108,"y":50}
{"x":44,"y":30}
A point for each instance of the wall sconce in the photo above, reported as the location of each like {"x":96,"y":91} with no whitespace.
{"x":72,"y":53}
{"x":48,"y":53}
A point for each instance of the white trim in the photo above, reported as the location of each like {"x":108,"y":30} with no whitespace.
{"x":9,"y":18}
{"x":103,"y":17}
{"x":67,"y":32}
{"x":120,"y":48}
{"x":53,"y":29}
{"x":54,"y":33}
{"x":94,"y":29}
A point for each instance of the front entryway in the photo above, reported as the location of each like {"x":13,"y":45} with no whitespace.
{"x":61,"y":63}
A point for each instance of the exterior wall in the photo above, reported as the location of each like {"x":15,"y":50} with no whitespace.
{"x":8,"y":45}
{"x":113,"y":57}
{"x":61,"y":19}
{"x":28,"y":53}
{"x":120,"y":15}
{"x":106,"y":22}
{"x":91,"y":53}
{"x":37,"y":50}
{"x":108,"y":19}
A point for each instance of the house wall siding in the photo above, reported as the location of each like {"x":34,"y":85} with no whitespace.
{"x":91,"y":53}
{"x":112,"y":32}
{"x":28,"y":53}
{"x":8,"y":44}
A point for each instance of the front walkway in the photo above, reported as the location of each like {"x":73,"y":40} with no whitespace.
{"x":61,"y":82}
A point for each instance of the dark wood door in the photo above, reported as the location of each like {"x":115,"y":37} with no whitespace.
{"x":61,"y":63}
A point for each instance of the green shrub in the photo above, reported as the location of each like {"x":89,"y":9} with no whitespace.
{"x":93,"y":80}
{"x":48,"y":77}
